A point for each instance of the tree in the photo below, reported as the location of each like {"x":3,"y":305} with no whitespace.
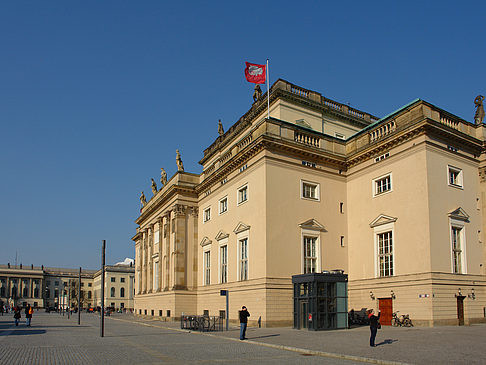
{"x":74,"y":292}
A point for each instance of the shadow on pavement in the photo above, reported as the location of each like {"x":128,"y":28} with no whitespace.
{"x":388,"y":341}
{"x":22,"y":332}
{"x":253,"y":338}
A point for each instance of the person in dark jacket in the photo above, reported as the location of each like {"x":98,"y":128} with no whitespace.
{"x":244,"y":314}
{"x":17,"y":315}
{"x":374,"y":325}
{"x":28,"y":314}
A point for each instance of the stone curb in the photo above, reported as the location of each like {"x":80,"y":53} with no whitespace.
{"x":279,"y":347}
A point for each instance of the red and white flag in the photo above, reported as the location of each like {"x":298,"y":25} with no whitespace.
{"x":255,"y":73}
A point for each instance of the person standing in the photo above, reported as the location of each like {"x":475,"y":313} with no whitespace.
{"x":17,"y":315}
{"x":374,"y":325}
{"x":244,"y":314}
{"x":28,"y":314}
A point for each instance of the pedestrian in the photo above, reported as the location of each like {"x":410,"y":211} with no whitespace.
{"x":244,"y":314}
{"x":17,"y":315}
{"x":374,"y":325}
{"x":28,"y":315}
{"x":1,"y":309}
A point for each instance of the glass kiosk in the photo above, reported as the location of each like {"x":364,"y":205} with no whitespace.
{"x":321,"y":300}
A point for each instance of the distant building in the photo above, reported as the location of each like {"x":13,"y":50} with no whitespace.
{"x":397,"y":203}
{"x":44,"y":287}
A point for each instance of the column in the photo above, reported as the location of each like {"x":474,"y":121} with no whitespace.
{"x":150,"y":265}
{"x":166,"y":259}
{"x":179,"y":253}
{"x":144,"y":261}
{"x":192,"y":252}
{"x":160,"y":222}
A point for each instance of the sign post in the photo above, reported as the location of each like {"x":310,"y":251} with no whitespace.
{"x":226,"y":294}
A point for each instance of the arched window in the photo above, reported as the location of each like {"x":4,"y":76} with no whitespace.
{"x":36,"y":292}
{"x":89,"y":294}
{"x":112,"y":292}
{"x":25,"y":292}
{"x":14,"y":292}
{"x":2,"y":292}
{"x":122,"y":292}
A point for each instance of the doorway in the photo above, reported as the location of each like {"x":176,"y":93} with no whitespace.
{"x":460,"y":310}
{"x":385,"y":306}
{"x":304,"y":313}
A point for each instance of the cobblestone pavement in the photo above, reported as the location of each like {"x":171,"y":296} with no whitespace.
{"x":416,"y":345}
{"x":55,"y":339}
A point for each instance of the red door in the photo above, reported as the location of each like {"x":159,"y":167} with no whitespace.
{"x":386,"y":308}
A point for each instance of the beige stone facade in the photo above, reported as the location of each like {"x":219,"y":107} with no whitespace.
{"x":397,"y":203}
{"x":46,"y":287}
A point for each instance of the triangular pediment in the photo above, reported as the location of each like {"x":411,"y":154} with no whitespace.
{"x":459,"y":214}
{"x":221,"y":235}
{"x":302,"y":123}
{"x":382,"y":219}
{"x":205,"y":241}
{"x":240,"y":227}
{"x":313,"y":225}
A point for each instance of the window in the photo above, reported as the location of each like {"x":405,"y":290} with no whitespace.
{"x":207,"y":214}
{"x":48,"y":293}
{"x":455,"y":176}
{"x":89,"y":294}
{"x":385,"y":253}
{"x":310,"y":190}
{"x":342,"y":241}
{"x":382,"y":184}
{"x":25,"y":292}
{"x":156,"y":275}
{"x":168,"y":313}
{"x":160,"y":312}
{"x":56,"y":283}
{"x":36,"y":292}
{"x":223,"y":205}
{"x":382,"y":157}
{"x":339,"y":135}
{"x":341,"y":208}
{"x":122,"y":292}
{"x":243,"y":259}
{"x":224,"y":264}
{"x":242,"y":194}
{"x":112,"y":292}
{"x":82,"y":284}
{"x":156,"y":237}
{"x":56,"y":293}
{"x":122,"y":280}
{"x":90,"y":285}
{"x":113,"y":280}
{"x":48,"y":282}
{"x":207,"y":267}
{"x":310,"y":255}
{"x":456,"y":237}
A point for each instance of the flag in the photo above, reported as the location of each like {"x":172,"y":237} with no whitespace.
{"x":255,"y":73}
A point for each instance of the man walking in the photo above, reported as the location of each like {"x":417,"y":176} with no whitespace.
{"x":28,"y":315}
{"x":244,"y":314}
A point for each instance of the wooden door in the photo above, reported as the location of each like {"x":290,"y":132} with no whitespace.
{"x":386,"y":308}
{"x":460,"y":310}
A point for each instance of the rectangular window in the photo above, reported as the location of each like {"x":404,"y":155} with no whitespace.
{"x":156,"y":237}
{"x":382,"y":184}
{"x":382,"y":157}
{"x":385,"y":253}
{"x":113,"y":280}
{"x":223,"y":205}
{"x":244,"y":259}
{"x":156,"y":275}
{"x":310,"y":255}
{"x":207,"y":214}
{"x":456,"y":250}
{"x":243,"y":194}
{"x":224,"y":264}
{"x":89,"y":284}
{"x":56,"y":283}
{"x":455,"y":176}
{"x":310,"y":190}
{"x":122,"y":280}
{"x":207,"y":267}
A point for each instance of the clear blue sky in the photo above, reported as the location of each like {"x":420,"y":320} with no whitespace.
{"x":95,"y":96}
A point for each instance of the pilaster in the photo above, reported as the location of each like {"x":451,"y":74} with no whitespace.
{"x":180,"y":247}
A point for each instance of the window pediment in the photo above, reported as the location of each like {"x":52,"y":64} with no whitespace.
{"x":221,"y":235}
{"x":240,"y":227}
{"x":205,"y":241}
{"x":313,"y":225}
{"x":382,"y":219}
{"x":459,"y":214}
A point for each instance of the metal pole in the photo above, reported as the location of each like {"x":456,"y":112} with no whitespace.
{"x":79,"y":298}
{"x":227,"y":310}
{"x":69,"y":295}
{"x":102,"y":327}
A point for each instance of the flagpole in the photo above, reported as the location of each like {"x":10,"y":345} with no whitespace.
{"x":268,"y":93}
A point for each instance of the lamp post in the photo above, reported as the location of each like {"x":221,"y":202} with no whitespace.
{"x":79,"y":297}
{"x":102,"y":326}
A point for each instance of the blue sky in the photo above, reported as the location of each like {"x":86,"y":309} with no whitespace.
{"x":96,"y":96}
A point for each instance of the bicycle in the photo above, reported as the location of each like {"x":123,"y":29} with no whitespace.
{"x":402,"y":321}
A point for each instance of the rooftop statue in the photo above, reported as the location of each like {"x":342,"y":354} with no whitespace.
{"x":180,"y":166}
{"x":154,"y":187}
{"x":220,"y":128}
{"x":143,"y":201}
{"x":257,"y":93}
{"x":163,"y":176}
{"x":479,"y":116}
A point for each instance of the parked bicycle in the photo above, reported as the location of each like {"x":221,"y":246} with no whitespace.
{"x":402,"y":321}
